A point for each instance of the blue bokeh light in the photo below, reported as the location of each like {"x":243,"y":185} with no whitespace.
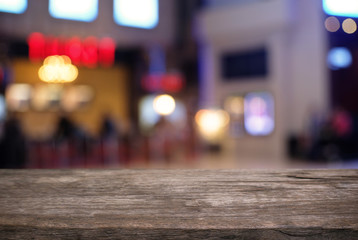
{"x":344,"y":8}
{"x":78,"y":10}
{"x":339,"y":57}
{"x":13,"y":6}
{"x":136,"y":13}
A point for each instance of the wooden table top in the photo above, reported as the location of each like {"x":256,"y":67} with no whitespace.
{"x":179,"y":204}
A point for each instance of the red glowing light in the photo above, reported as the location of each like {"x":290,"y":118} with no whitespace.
{"x":106,"y":51}
{"x":74,"y":50}
{"x":52,"y":46}
{"x":36,"y":42}
{"x":88,"y":52}
{"x":170,"y":82}
{"x":151,"y":82}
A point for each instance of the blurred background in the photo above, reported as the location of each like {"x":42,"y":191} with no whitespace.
{"x":178,"y":84}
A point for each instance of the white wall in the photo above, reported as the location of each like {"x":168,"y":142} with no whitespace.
{"x":294,"y":35}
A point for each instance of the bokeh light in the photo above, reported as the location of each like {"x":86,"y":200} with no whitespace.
{"x":259,"y":113}
{"x":149,"y":117}
{"x":58,"y":69}
{"x":18,"y":97}
{"x":36,"y":42}
{"x":211,"y":123}
{"x":332,"y":24}
{"x":74,"y":97}
{"x":339,"y":57}
{"x":40,"y":98}
{"x":164,"y":104}
{"x":349,"y":26}
{"x":234,"y":105}
{"x":107,"y":48}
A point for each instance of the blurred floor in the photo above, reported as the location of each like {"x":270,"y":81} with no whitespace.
{"x":213,"y":162}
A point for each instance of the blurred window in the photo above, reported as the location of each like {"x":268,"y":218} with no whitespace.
{"x":78,"y":10}
{"x":344,"y":8}
{"x":13,"y":6}
{"x":244,"y":64}
{"x":136,"y":13}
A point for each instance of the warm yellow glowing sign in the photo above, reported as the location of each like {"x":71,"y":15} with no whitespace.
{"x":58,"y":69}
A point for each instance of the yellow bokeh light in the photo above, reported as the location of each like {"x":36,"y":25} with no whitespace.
{"x":66,"y":59}
{"x":75,"y":96}
{"x":40,"y":98}
{"x":349,"y":26}
{"x":211,"y":123}
{"x":58,"y":69}
{"x":164,"y":104}
{"x":18,"y":96}
{"x":234,"y":105}
{"x":332,"y":24}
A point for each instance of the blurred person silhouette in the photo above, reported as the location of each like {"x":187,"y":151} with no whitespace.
{"x":334,"y":141}
{"x":108,"y":127}
{"x":66,"y":141}
{"x":341,"y":121}
{"x":13,"y":150}
{"x":162,"y":140}
{"x":65,"y":129}
{"x":110,"y":136}
{"x":342,"y":125}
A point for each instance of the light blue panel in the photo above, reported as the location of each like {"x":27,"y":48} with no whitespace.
{"x":78,"y":10}
{"x":13,"y":6}
{"x":136,"y":13}
{"x":343,"y":8}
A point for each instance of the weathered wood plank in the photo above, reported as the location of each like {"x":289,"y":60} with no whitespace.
{"x":178,"y":204}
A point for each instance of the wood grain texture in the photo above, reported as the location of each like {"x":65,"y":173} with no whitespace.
{"x":178,"y":204}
